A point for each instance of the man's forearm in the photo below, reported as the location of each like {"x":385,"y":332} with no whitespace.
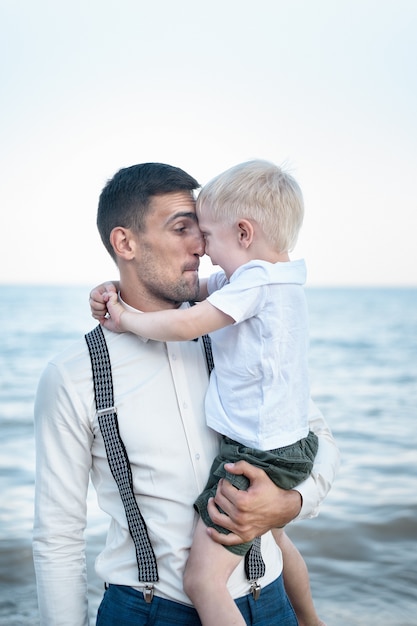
{"x":293,"y":503}
{"x":62,"y":589}
{"x":326,"y":464}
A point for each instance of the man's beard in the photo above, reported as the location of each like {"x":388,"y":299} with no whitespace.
{"x":175,"y":293}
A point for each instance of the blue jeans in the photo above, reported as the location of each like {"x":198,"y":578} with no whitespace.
{"x":124,"y":606}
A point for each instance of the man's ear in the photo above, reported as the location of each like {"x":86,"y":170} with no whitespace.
{"x":123,"y":243}
{"x":246,"y":232}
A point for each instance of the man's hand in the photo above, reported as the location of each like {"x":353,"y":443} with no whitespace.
{"x":251,"y":513}
{"x":99,"y":297}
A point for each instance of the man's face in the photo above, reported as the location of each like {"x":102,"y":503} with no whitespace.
{"x":169,"y":250}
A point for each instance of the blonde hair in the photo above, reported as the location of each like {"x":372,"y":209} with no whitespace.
{"x":260,"y":191}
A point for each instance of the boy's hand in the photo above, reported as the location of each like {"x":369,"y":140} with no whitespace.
{"x":99,"y":297}
{"x":113,"y":321}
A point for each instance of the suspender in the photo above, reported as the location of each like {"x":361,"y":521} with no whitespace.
{"x":118,"y":459}
{"x":121,"y":471}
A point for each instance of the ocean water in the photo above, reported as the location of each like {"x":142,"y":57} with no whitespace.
{"x":361,"y":549}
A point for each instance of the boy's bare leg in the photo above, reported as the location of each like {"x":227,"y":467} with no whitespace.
{"x":205,"y":580}
{"x":296,"y":581}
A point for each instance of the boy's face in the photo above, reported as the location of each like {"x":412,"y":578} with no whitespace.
{"x":221,"y":241}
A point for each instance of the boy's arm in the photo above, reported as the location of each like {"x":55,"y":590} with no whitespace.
{"x":99,"y":296}
{"x":167,"y":325}
{"x":203,"y":291}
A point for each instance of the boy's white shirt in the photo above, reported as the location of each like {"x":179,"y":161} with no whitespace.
{"x":259,"y":391}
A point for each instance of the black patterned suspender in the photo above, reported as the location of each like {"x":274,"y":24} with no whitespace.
{"x":121,"y":471}
{"x":118,"y":459}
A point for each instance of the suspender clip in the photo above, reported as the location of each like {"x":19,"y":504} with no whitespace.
{"x":255,"y":589}
{"x":107,"y":411}
{"x":148,"y":593}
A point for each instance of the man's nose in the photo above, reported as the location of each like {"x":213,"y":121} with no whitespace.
{"x":200,"y":245}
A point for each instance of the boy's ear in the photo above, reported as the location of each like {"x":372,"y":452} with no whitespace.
{"x":123,"y":243}
{"x":246,"y":232}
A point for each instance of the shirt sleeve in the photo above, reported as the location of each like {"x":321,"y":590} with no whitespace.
{"x":216,"y":281}
{"x":63,"y":459}
{"x":315,"y":488}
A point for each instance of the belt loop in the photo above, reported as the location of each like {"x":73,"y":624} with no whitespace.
{"x":148,"y":593}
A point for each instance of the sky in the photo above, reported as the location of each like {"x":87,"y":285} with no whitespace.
{"x":327,"y":88}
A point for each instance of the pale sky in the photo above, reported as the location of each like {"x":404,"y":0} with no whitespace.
{"x":328,"y":87}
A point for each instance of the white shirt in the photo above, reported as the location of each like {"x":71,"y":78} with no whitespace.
{"x":159,"y":393}
{"x":259,"y":391}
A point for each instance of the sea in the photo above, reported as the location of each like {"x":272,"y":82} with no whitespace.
{"x":361,"y":550}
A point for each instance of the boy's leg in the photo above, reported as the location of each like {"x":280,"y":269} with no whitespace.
{"x":296,"y":581}
{"x":208,"y":569}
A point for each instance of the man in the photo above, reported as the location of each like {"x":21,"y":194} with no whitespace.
{"x":147,"y":221}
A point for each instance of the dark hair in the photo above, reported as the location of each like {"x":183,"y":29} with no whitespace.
{"x":125,"y":198}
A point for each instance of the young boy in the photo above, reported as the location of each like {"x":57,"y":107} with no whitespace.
{"x":258,"y":394}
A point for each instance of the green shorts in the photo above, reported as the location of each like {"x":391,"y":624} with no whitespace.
{"x":286,"y":467}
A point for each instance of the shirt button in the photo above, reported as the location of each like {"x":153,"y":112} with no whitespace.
{"x":185,"y":405}
{"x":197,"y":456}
